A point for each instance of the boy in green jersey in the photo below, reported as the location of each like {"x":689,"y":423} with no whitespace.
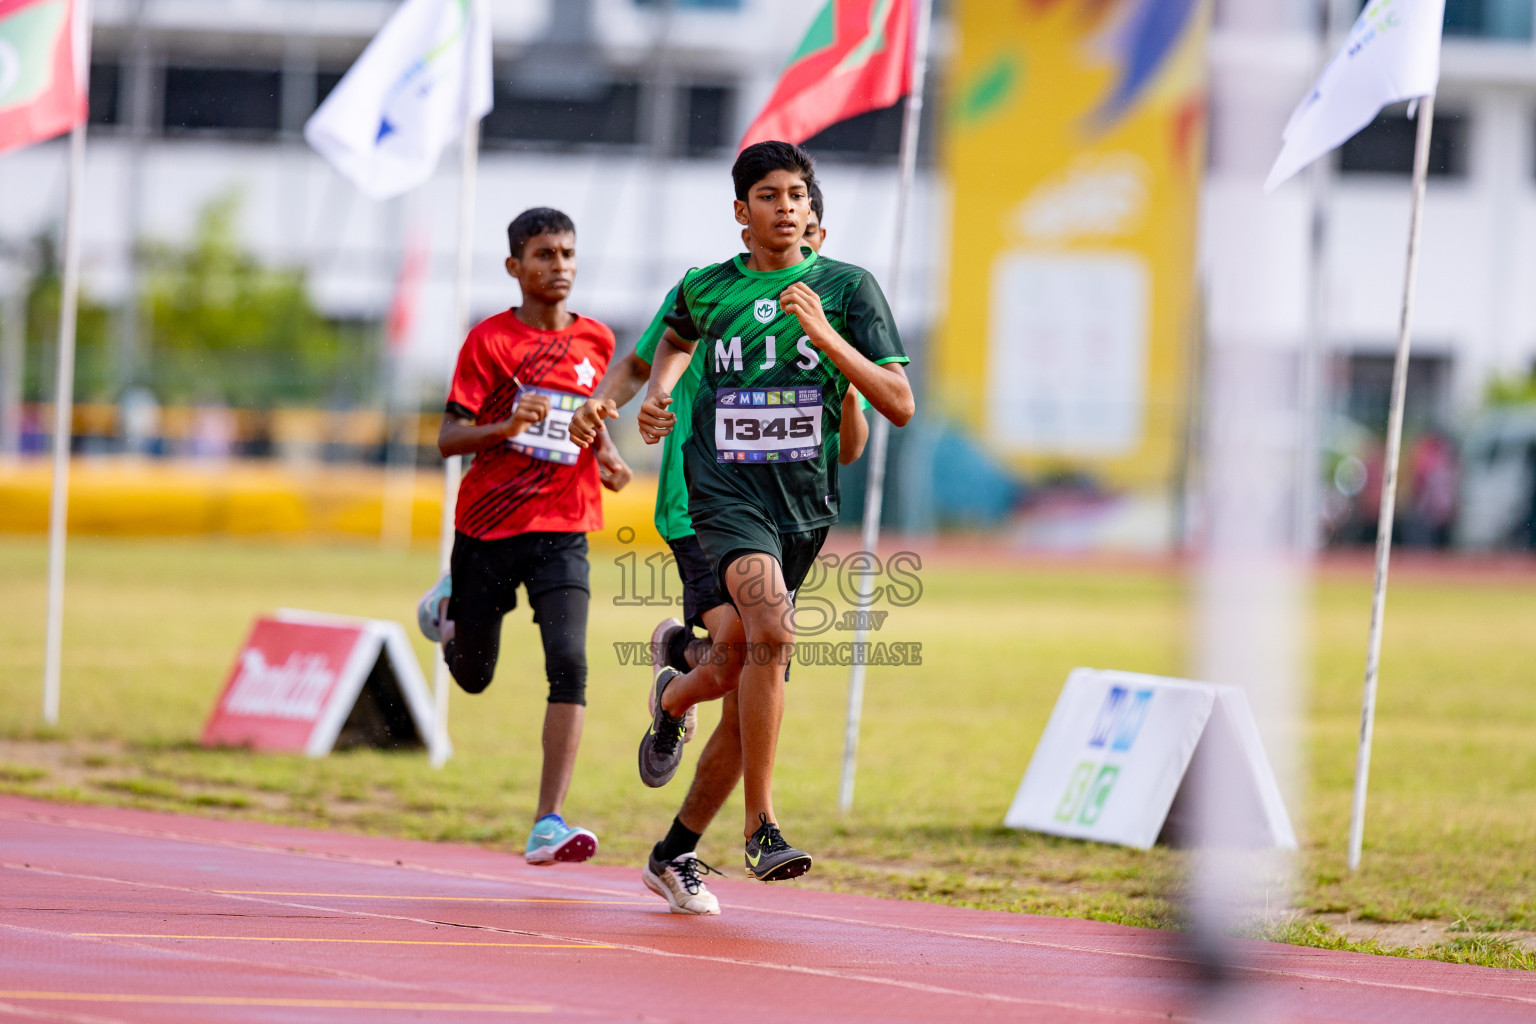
{"x":673,"y":869}
{"x":785,"y":333}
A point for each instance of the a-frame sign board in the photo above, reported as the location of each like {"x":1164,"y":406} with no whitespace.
{"x":310,"y":682}
{"x":1114,"y":763}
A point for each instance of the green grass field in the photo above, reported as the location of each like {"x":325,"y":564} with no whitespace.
{"x":152,"y":627}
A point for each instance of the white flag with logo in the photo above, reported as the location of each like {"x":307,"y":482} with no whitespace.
{"x":405,"y":99}
{"x":1392,"y":54}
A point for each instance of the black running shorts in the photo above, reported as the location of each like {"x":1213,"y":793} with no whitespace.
{"x":726,"y":534}
{"x":700,"y":591}
{"x":487,"y":573}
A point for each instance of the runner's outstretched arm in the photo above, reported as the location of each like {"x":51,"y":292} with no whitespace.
{"x":622,"y":382}
{"x":461,"y":436}
{"x":886,"y":386}
{"x":672,"y":357}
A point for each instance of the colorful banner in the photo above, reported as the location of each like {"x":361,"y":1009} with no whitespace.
{"x":1076,"y":145}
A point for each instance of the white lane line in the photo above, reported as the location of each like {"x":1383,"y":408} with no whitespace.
{"x":561,"y":900}
{"x":56,"y":1016}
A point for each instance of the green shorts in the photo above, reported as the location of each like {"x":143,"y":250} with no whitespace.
{"x":727,"y":533}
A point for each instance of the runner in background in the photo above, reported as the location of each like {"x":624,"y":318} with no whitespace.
{"x":527,"y":502}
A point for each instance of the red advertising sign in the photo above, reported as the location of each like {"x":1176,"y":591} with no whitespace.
{"x":281,"y":683}
{"x":303,"y":681}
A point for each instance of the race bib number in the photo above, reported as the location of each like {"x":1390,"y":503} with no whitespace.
{"x":550,"y":439}
{"x":767,"y":425}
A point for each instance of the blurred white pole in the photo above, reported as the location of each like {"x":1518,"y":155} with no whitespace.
{"x":880,"y":432}
{"x":13,"y":341}
{"x":468,"y":158}
{"x":1253,"y":569}
{"x":1312,"y":394}
{"x":401,"y":439}
{"x":64,"y":388}
{"x":138,"y":76}
{"x":1426,"y":117}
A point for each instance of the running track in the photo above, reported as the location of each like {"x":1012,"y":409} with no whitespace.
{"x":111,"y":915}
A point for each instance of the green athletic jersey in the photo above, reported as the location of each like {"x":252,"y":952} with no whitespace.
{"x":769,"y":403}
{"x":671,"y":491}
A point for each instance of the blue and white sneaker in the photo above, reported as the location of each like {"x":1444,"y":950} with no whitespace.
{"x":432,"y":611}
{"x":553,"y":840}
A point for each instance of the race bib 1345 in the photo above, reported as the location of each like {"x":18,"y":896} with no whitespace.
{"x":767,"y":424}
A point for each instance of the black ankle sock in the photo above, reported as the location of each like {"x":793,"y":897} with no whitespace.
{"x":680,"y":840}
{"x":677,"y":650}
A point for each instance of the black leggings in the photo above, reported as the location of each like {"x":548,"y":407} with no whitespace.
{"x":562,"y":618}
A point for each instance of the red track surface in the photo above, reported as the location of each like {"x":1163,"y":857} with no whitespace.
{"x":112,"y":915}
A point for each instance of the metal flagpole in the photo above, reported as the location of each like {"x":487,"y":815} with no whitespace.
{"x":64,"y":389}
{"x":1426,"y":114}
{"x":468,"y":157}
{"x":874,"y":493}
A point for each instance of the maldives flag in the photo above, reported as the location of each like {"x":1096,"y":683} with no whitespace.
{"x":42,"y":85}
{"x":855,"y":58}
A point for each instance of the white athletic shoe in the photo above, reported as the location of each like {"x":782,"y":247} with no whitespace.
{"x":661,"y":636}
{"x":677,"y":881}
{"x":432,"y":611}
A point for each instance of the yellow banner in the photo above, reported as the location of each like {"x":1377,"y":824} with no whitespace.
{"x":1076,"y":144}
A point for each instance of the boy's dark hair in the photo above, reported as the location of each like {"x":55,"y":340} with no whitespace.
{"x":761,"y":159}
{"x":541,"y":220}
{"x":814,"y":191}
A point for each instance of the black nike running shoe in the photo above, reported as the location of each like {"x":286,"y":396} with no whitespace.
{"x":770,"y":858}
{"x":663,"y":637}
{"x":661,"y":748}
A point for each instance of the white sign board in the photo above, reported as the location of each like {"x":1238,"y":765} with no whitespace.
{"x":1116,"y":752}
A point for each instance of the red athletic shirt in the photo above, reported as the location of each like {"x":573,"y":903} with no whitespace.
{"x":506,"y":492}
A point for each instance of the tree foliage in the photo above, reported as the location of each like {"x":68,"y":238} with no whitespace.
{"x":93,"y":357}
{"x":221,"y":326}
{"x":217,"y":326}
{"x":1511,"y":390}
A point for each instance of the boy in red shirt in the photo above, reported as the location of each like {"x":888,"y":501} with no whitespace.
{"x":527,"y":502}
